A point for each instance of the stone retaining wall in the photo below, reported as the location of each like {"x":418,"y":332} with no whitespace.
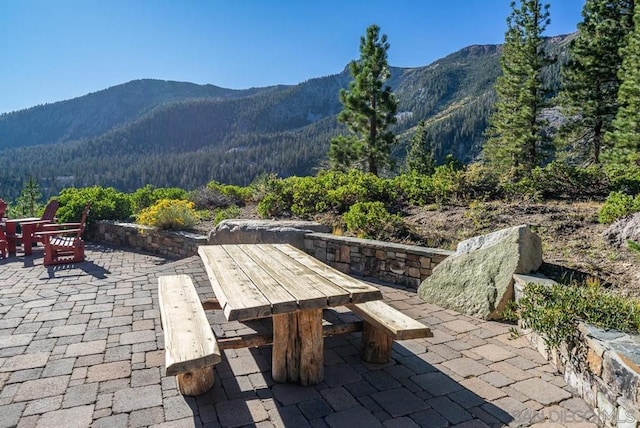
{"x":395,"y":263}
{"x":174,"y":245}
{"x":602,"y":366}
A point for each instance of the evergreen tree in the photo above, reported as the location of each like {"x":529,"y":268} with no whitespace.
{"x":27,"y":203}
{"x":590,"y":78}
{"x":516,"y":142}
{"x":626,"y":126}
{"x":368,"y":109}
{"x":420,"y":158}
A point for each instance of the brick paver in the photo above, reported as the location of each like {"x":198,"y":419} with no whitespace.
{"x":82,"y":345}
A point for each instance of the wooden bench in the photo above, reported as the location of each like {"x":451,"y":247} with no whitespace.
{"x":383,"y":324}
{"x":191,"y":349}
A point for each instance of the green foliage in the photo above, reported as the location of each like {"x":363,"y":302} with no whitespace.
{"x":554,"y":311}
{"x":590,"y":77}
{"x":27,"y":204}
{"x":106,"y":204}
{"x":237,"y":194}
{"x":559,"y":180}
{"x":624,"y":178}
{"x":368,"y":109}
{"x":420,"y":158}
{"x":169,"y":214}
{"x":148,"y":195}
{"x":626,"y":132}
{"x":618,"y":205}
{"x":372,"y":220}
{"x":226,"y":213}
{"x":633,"y":245}
{"x":329,"y":191}
{"x":443,"y":186}
{"x":516,"y":139}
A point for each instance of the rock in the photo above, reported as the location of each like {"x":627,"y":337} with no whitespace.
{"x":626,"y":228}
{"x":238,"y":231}
{"x":478,"y":279}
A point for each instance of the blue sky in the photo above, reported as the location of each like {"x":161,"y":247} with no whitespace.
{"x":56,"y":50}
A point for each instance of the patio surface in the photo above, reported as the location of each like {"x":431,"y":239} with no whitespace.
{"x":82,"y":345}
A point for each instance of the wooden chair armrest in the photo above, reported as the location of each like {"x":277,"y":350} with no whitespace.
{"x":60,"y":225}
{"x":57,"y":232}
{"x":28,"y":223}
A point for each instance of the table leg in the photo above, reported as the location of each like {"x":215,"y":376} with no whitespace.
{"x":27,"y":234}
{"x":298,"y":347}
{"x":10,"y":231}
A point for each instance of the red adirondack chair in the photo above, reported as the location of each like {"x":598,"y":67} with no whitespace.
{"x":63,"y":242}
{"x":3,"y":244}
{"x":29,"y":227}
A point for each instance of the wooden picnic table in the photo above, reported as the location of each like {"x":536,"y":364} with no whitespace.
{"x":253,"y":281}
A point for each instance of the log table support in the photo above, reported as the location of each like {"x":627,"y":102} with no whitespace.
{"x":298,"y":347}
{"x":376,"y":345}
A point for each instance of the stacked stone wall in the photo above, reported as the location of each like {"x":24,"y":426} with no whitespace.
{"x":406,"y":265}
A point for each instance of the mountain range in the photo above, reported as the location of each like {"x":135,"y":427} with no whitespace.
{"x":181,"y":134}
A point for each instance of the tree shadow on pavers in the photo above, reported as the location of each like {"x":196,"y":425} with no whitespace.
{"x":408,"y":390}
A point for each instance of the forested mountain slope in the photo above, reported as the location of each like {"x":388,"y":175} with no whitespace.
{"x":182,"y":134}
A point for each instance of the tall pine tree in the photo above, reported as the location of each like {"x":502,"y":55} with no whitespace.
{"x":590,"y":77}
{"x":368,"y":110}
{"x":420,"y":158}
{"x":516,"y":142}
{"x":626,"y":126}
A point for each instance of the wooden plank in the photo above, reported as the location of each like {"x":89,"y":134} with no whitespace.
{"x":257,"y":339}
{"x":189,"y":342}
{"x":358,"y":290}
{"x":291,"y":277}
{"x":393,"y":322}
{"x":304,"y":277}
{"x":281,"y":300}
{"x":238,"y":295}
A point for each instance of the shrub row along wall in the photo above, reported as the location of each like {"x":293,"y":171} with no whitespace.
{"x":400,"y":264}
{"x":174,"y":245}
{"x":602,"y":366}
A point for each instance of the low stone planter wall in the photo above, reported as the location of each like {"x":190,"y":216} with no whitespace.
{"x":602,"y":366}
{"x":175,"y":245}
{"x":400,"y":264}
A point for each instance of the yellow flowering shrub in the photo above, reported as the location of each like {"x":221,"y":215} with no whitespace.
{"x":169,"y":214}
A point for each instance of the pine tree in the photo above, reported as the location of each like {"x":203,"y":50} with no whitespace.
{"x":368,"y":110}
{"x":590,"y":77}
{"x":626,"y":126}
{"x":420,"y":158}
{"x":27,"y":203}
{"x":516,"y":142}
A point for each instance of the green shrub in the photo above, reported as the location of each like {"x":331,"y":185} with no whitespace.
{"x":148,"y":195}
{"x":237,"y":194}
{"x":372,"y":220}
{"x":561,"y":180}
{"x":169,"y":214}
{"x":554,"y":311}
{"x":106,"y":204}
{"x":624,"y":178}
{"x":226,"y":213}
{"x":618,"y":205}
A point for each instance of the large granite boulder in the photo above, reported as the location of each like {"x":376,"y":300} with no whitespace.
{"x":478,"y":279}
{"x":242,"y":231}
{"x":623,"y":230}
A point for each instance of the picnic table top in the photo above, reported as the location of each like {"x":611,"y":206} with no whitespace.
{"x":259,"y":280}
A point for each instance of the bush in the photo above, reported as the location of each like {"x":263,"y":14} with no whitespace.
{"x":106,"y":204}
{"x":226,"y":213}
{"x":149,"y":195}
{"x":372,"y":220}
{"x":169,"y":214}
{"x":618,"y":205}
{"x":624,"y":179}
{"x":554,"y":311}
{"x":237,"y":195}
{"x":561,"y":180}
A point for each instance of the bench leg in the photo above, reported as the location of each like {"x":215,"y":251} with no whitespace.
{"x":195,"y":382}
{"x":298,"y":347}
{"x":376,"y":345}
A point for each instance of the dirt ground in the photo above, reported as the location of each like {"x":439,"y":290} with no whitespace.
{"x":573,"y":242}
